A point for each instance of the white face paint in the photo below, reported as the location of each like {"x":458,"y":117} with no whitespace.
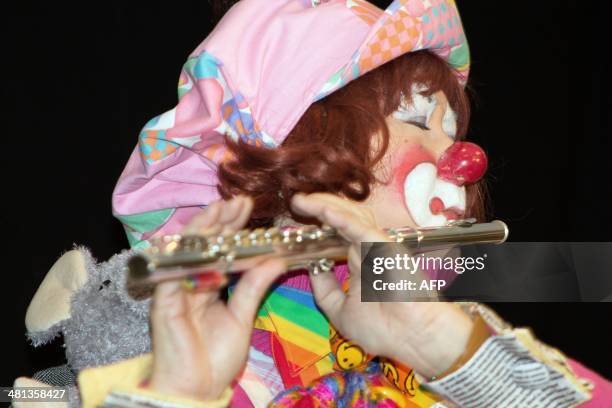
{"x":449,"y":122}
{"x":428,"y":200}
{"x":421,"y":186}
{"x":421,"y":109}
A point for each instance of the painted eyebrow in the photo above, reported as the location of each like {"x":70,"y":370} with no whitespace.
{"x":418,"y":122}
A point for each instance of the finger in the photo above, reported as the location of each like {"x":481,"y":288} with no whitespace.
{"x":200,"y":300}
{"x":170,"y":318}
{"x":165,"y":292}
{"x":308,"y":206}
{"x":252,"y":287}
{"x":316,"y":200}
{"x":329,"y":296}
{"x":207,"y":218}
{"x":216,"y":217}
{"x":206,"y":281}
{"x":347,"y":223}
{"x":353,"y":228}
{"x":170,"y":301}
{"x":167,"y":301}
{"x":231,"y":209}
{"x":365,"y":215}
{"x":241,"y":217}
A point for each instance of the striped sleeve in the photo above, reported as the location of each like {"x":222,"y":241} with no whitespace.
{"x":513,"y":369}
{"x":140,"y":399}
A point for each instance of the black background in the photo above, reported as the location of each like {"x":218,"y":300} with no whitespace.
{"x":79,"y":83}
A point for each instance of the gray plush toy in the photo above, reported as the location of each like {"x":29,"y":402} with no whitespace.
{"x":88,"y":303}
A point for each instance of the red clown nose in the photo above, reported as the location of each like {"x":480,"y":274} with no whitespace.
{"x":462,"y":163}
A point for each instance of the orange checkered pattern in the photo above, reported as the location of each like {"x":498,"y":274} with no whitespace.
{"x":153,"y":147}
{"x":365,"y":11}
{"x":217,"y":153}
{"x":398,"y":35}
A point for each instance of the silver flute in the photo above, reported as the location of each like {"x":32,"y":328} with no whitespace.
{"x":306,"y":247}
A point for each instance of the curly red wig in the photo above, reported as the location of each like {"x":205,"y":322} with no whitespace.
{"x":331,"y":147}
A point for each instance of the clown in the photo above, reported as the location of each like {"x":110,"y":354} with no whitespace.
{"x":335,"y":112}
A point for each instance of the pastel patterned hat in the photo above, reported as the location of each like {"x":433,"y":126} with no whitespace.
{"x":253,"y":78}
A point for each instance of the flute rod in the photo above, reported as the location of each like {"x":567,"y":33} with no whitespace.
{"x":175,"y":257}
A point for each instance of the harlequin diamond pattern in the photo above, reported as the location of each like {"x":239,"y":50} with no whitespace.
{"x":398,"y":35}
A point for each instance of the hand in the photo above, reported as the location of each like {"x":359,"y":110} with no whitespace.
{"x":428,"y":336}
{"x":200,"y":343}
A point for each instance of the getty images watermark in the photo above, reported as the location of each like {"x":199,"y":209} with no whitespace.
{"x":411,"y":264}
{"x":508,"y":272}
{"x":392,"y":272}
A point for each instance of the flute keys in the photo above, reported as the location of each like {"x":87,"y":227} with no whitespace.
{"x":166,"y":239}
{"x":466,"y":222}
{"x":326,"y":232}
{"x":288,"y":235}
{"x":171,"y":246}
{"x":320,"y":266}
{"x":192,"y":243}
{"x":257,"y":236}
{"x":271,"y":234}
{"x":309,"y":232}
{"x":241,"y":237}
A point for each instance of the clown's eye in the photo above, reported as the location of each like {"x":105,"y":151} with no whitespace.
{"x":418,"y":124}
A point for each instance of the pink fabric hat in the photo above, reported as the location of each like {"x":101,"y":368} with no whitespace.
{"x":253,"y":78}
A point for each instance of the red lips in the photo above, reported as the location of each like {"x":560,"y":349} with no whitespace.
{"x":436,"y":206}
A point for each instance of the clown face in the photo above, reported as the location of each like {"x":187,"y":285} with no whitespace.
{"x":424,"y":171}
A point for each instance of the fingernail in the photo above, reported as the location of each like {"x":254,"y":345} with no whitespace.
{"x":298,"y":197}
{"x":236,"y":202}
{"x":204,"y":282}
